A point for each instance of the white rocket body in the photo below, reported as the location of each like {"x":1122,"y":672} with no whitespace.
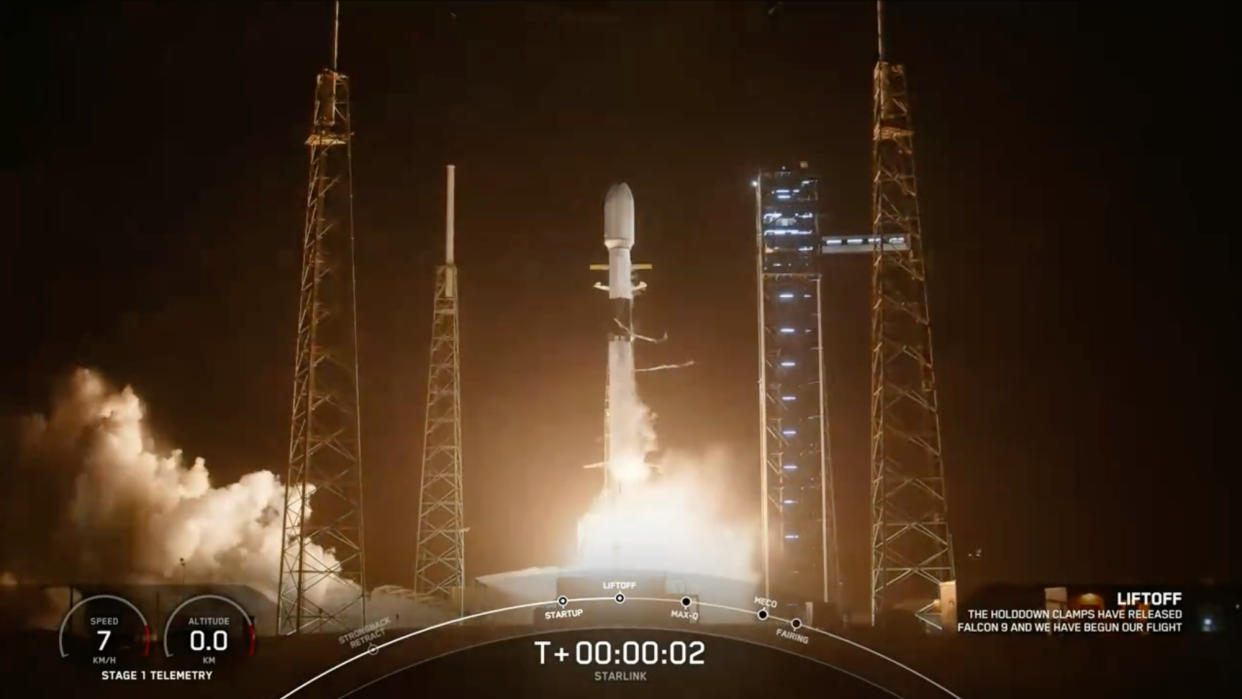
{"x":624,"y":445}
{"x":619,"y":238}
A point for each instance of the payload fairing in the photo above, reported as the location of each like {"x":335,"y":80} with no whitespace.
{"x":619,"y":238}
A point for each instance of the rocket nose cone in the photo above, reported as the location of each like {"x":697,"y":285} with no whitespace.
{"x":619,"y":194}
{"x":619,"y":217}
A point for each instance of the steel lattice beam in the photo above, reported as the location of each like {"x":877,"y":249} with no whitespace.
{"x":322,"y":580}
{"x":441,"y":543}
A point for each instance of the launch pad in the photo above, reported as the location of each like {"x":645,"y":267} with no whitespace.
{"x":766,"y":507}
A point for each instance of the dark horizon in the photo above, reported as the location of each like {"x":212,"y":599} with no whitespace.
{"x":1079,"y":273}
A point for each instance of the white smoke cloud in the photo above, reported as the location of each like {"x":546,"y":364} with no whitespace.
{"x":671,"y":521}
{"x":117,"y":510}
{"x":667,"y":518}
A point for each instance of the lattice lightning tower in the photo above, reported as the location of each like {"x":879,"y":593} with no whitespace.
{"x":322,"y":580}
{"x":440,"y":567}
{"x":911,"y":550}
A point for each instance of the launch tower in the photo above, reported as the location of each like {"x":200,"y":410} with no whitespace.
{"x":322,"y":578}
{"x":798,"y":519}
{"x":911,"y":550}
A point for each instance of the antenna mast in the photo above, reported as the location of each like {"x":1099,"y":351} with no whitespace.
{"x":449,"y":206}
{"x":879,"y":28}
{"x":336,"y":31}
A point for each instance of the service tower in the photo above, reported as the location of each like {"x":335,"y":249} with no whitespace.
{"x":798,"y":520}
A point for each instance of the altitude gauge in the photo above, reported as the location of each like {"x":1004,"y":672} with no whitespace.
{"x":104,"y":631}
{"x":208,"y":630}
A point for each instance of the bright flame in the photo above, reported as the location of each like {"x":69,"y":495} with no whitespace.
{"x":664,"y":518}
{"x":628,"y":471}
{"x":668,"y":522}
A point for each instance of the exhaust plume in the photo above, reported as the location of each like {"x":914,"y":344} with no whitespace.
{"x":101,"y":504}
{"x":664,"y":517}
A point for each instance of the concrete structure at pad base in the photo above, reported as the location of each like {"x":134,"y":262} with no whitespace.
{"x":547,"y":583}
{"x":405,"y":608}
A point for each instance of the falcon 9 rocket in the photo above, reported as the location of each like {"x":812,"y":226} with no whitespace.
{"x":625,"y":442}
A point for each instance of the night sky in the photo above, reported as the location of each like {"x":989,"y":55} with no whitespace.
{"x":1080,"y":255}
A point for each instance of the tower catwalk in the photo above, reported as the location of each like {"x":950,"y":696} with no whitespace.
{"x":911,"y":550}
{"x":797,"y":511}
{"x":440,"y":567}
{"x":322,"y":579}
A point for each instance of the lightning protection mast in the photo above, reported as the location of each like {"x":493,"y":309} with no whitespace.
{"x":322,"y":581}
{"x":440,"y":557}
{"x":911,"y":550}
